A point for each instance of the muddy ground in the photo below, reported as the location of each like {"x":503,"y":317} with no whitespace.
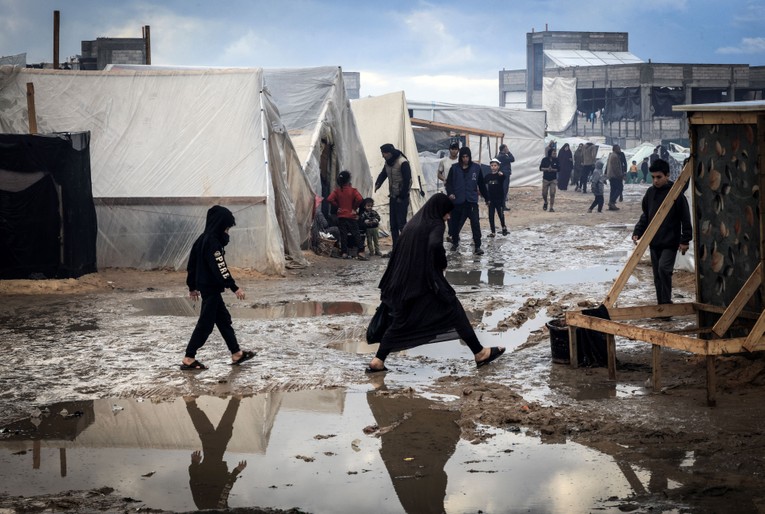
{"x":106,"y":335}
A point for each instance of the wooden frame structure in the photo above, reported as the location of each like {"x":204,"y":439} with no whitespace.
{"x":499,"y":137}
{"x":729,"y":163}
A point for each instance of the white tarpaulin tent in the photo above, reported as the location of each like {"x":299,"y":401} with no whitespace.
{"x":524,"y":131}
{"x":165,"y":146}
{"x":385,"y":119}
{"x":315,"y":109}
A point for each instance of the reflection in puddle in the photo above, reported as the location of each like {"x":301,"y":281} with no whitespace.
{"x":304,"y":309}
{"x":608,"y":390}
{"x":498,"y":277}
{"x":320,"y":451}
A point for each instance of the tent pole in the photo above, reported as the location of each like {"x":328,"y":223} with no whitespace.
{"x":31,"y":113}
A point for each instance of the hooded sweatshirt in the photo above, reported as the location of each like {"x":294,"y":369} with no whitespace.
{"x":207,"y":270}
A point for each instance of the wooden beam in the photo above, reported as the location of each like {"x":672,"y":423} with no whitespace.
{"x":656,"y":368}
{"x":755,"y":335}
{"x":31,"y":112}
{"x":643,"y":242}
{"x":418,"y":122}
{"x":735,"y":307}
{"x":706,"y":307}
{"x":56,"y":25}
{"x":720,"y":118}
{"x":651,"y":311}
{"x":611,"y":352}
{"x":573,"y":347}
{"x":653,"y":336}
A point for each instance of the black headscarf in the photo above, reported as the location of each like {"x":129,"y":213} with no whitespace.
{"x":218,"y":220}
{"x":418,"y":259}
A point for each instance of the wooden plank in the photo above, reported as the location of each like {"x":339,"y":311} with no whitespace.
{"x":722,"y":118}
{"x":711,"y":381}
{"x":611,"y":350}
{"x":573,"y":347}
{"x":418,"y":122}
{"x":706,"y":307}
{"x":180,"y":200}
{"x":756,"y":333}
{"x":644,"y":241}
{"x":656,"y":368}
{"x":31,"y":112}
{"x":751,"y":285}
{"x":651,"y":311}
{"x":653,"y":336}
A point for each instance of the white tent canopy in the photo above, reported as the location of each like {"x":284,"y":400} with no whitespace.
{"x":524,"y":131}
{"x":385,"y":119}
{"x":166,"y":145}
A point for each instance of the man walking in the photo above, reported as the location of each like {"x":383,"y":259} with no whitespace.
{"x":589,"y":156}
{"x":399,"y":175}
{"x":463,"y":183}
{"x":674,"y":234}
{"x":506,"y":161}
{"x":615,"y":172}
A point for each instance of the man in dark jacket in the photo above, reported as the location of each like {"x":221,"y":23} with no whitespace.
{"x":464,"y":181}
{"x":674,"y":234}
{"x":506,"y":160}
{"x":208,"y":275}
{"x":399,"y":175}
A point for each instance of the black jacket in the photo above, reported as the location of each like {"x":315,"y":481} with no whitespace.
{"x":207,"y":270}
{"x":676,"y":228}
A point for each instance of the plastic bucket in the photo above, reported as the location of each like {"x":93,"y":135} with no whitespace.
{"x":559,"y":341}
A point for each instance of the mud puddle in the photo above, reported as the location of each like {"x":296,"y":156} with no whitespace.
{"x":321,"y":451}
{"x":293,"y":309}
{"x":499,"y":277}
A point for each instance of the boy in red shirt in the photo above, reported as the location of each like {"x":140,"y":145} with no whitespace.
{"x":347,"y":200}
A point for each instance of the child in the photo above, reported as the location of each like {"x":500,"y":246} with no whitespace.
{"x":495,"y":191}
{"x":208,"y":275}
{"x":347,"y":200}
{"x":632,"y":176}
{"x":369,"y":221}
{"x":598,"y":179}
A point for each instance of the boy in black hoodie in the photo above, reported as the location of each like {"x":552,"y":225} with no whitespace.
{"x":208,"y":275}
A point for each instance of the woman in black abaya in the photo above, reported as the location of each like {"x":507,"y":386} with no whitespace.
{"x":423,"y":305}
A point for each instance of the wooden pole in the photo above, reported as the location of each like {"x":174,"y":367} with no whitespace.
{"x":56,"y":24}
{"x":31,"y":108}
{"x":147,"y":42}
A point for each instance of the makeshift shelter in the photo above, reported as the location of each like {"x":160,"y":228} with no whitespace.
{"x":314,"y":107}
{"x":166,"y":145}
{"x":726,"y":173}
{"x":385,"y":119}
{"x":47,"y":216}
{"x":523,"y":129}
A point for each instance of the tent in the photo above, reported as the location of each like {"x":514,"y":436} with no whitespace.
{"x":524,"y":131}
{"x":166,"y":145}
{"x":385,"y":119}
{"x":47,"y":216}
{"x":314,"y":107}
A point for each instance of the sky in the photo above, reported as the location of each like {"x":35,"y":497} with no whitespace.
{"x":446,"y":51}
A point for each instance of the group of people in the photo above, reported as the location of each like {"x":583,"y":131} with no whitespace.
{"x":422,"y":304}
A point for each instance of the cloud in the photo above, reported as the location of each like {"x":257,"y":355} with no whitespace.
{"x":748,"y":45}
{"x":456,"y":89}
{"x":434,"y":39}
{"x":244,"y":49}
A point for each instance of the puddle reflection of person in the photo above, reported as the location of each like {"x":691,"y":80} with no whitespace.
{"x":423,"y":304}
{"x":209,"y":478}
{"x":416,"y":443}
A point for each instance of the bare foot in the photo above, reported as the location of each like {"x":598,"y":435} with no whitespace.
{"x":486,"y":353}
{"x":376,"y":364}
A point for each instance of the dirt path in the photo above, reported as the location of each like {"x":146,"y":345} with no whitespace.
{"x":100,"y":337}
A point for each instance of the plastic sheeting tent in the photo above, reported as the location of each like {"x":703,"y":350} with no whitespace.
{"x":315,"y":109}
{"x":166,"y":145}
{"x":385,"y":119}
{"x":524,"y":131}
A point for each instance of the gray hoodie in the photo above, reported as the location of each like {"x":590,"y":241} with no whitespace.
{"x":598,"y":179}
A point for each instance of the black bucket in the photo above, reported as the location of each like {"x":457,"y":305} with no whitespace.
{"x":559,"y":340}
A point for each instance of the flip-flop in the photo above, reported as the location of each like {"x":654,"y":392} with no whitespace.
{"x":194,"y":366}
{"x":373,"y":370}
{"x":493,"y":354}
{"x":246,"y":355}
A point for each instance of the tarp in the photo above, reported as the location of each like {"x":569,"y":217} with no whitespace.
{"x":559,"y":100}
{"x":524,"y":131}
{"x":47,"y":216}
{"x":314,"y":107}
{"x":385,"y":119}
{"x":166,"y":145}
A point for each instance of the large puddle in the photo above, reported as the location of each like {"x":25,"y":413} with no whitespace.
{"x":280,"y":310}
{"x":499,"y":277}
{"x":321,"y":451}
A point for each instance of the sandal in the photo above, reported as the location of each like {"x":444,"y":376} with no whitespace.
{"x":246,"y":355}
{"x":194,"y":366}
{"x":493,"y":354}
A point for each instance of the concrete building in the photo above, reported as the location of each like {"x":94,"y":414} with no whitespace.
{"x":107,"y":50}
{"x":618,"y":96}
